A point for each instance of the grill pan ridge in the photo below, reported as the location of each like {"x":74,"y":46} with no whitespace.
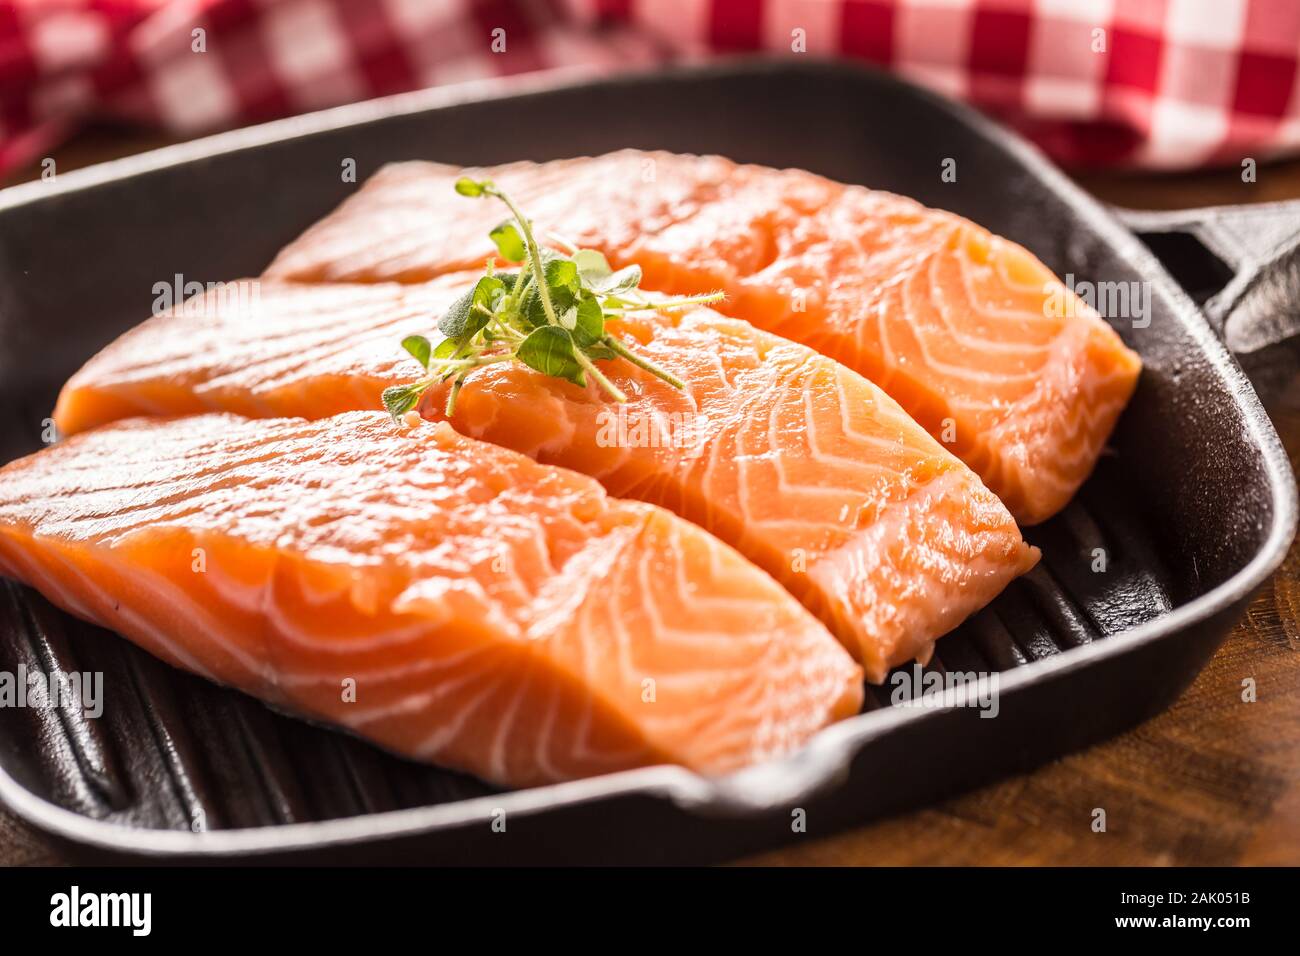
{"x":1195,"y":507}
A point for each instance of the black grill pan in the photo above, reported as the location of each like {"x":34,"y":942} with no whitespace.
{"x":1194,"y":506}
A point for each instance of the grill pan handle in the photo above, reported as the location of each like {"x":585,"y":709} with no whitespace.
{"x":1241,"y":263}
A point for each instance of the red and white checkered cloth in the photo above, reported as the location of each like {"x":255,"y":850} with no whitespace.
{"x":1155,"y":83}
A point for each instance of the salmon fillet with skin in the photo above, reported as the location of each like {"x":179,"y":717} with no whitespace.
{"x":805,"y":467}
{"x":498,"y":616}
{"x":972,"y":335}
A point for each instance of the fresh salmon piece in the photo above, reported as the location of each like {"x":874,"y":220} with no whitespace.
{"x":497,"y":616}
{"x":804,"y":466}
{"x":255,"y":348}
{"x":976,"y":338}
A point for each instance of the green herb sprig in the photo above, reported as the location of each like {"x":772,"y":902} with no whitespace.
{"x":550,"y":315}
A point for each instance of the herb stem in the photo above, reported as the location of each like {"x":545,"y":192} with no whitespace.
{"x":590,"y":367}
{"x":643,"y":363}
{"x":453,"y":394}
{"x":509,"y":305}
{"x":506,"y":331}
{"x":468,"y":363}
{"x":559,"y":240}
{"x":702,"y":299}
{"x":534,"y":255}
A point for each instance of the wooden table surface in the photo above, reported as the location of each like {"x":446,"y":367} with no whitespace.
{"x":1214,"y":780}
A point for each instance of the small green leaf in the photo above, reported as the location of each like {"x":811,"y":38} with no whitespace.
{"x":599,"y":352}
{"x":456,"y":319}
{"x":419,"y":348}
{"x":561,"y":282}
{"x":508,"y":242}
{"x":446,"y":349}
{"x":590,"y":324}
{"x":530,"y":308}
{"x":465,"y":316}
{"x":592,"y":266}
{"x":400,"y":399}
{"x":470,"y":187}
{"x":549,"y":350}
{"x":488,"y":291}
{"x":562,"y":276}
{"x":624,"y":280}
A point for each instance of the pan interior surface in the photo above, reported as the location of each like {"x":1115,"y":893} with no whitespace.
{"x":1187,"y":497}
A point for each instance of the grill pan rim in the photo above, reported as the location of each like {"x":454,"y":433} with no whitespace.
{"x":815,"y":767}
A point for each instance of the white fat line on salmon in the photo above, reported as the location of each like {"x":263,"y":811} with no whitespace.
{"x":1113,"y":300}
{"x":55,"y":690}
{"x":74,"y":908}
{"x":916,"y":687}
{"x":620,"y":427}
{"x":229,"y":300}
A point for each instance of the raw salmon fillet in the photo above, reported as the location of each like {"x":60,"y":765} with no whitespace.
{"x":804,"y":466}
{"x":290,"y":350}
{"x":496,"y":616}
{"x":972,"y":335}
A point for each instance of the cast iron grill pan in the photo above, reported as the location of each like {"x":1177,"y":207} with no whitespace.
{"x":1192,"y":506}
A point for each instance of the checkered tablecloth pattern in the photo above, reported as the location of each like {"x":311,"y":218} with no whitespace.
{"x":1152,"y":83}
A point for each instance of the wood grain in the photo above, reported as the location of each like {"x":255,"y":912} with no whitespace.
{"x":1214,"y":780}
